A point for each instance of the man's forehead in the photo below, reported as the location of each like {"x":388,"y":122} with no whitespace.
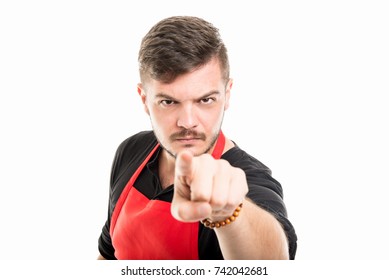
{"x":202,"y":74}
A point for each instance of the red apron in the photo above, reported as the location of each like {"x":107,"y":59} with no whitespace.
{"x":144,"y":229}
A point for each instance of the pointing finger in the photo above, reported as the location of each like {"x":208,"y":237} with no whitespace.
{"x":184,"y":168}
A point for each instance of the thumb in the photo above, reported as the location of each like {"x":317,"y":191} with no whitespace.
{"x":189,"y":211}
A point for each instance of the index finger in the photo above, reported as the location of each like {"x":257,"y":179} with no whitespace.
{"x":184,"y":168}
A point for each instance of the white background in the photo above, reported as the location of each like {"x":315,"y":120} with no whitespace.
{"x":309,"y":100}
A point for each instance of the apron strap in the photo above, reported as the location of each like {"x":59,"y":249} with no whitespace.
{"x":126,"y":190}
{"x":219,"y":146}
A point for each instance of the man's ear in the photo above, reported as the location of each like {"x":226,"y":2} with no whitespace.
{"x":142,"y":95}
{"x":228,"y":94}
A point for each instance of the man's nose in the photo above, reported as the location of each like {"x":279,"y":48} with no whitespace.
{"x":187,"y":117}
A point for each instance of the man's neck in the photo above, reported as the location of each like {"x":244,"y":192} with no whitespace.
{"x":166,"y":165}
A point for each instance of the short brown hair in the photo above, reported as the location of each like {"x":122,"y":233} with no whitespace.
{"x":178,"y":45}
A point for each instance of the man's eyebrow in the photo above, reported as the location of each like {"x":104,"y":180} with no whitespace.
{"x":167,"y":96}
{"x":163,"y":95}
{"x":212,"y":92}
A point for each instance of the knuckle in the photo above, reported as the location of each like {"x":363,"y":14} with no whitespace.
{"x":181,"y":215}
{"x":224,"y":165}
{"x":231,"y":204}
{"x":239,"y":172}
{"x":199,"y":196}
{"x":218,"y":203}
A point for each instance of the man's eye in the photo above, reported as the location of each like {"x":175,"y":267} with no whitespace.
{"x":207,"y":100}
{"x":167,"y":102}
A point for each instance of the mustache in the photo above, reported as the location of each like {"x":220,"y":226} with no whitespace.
{"x":187,"y":133}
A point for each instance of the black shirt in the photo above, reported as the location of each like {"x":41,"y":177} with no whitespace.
{"x":264,"y":190}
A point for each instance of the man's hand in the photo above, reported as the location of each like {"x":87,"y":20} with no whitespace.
{"x":206,"y":188}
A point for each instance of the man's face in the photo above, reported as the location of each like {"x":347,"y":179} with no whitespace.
{"x":187,"y":113}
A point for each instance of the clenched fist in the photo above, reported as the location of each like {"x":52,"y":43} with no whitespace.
{"x":205,"y":187}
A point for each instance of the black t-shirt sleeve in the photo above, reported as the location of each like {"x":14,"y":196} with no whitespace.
{"x":264,"y":191}
{"x":105,"y":243}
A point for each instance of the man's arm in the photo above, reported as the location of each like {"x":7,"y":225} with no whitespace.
{"x":255,"y":234}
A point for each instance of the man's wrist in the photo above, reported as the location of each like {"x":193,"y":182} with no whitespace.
{"x":223,"y":222}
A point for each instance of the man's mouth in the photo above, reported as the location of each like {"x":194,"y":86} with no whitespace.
{"x":187,"y":136}
{"x":188,"y":139}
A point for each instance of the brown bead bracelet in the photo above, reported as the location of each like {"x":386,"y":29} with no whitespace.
{"x":209,"y":224}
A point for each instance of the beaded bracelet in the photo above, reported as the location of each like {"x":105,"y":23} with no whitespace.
{"x":208,"y":223}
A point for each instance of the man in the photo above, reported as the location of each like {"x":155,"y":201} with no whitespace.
{"x":184,"y":190}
